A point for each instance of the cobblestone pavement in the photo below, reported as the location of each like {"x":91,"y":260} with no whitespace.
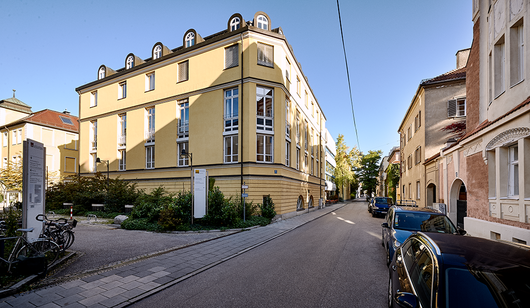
{"x":127,"y":284}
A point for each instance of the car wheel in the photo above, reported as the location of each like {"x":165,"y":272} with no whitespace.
{"x":390,"y":301}
{"x":382,"y":240}
{"x":373,"y":213}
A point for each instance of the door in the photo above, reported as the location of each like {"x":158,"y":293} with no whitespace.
{"x":461,"y":212}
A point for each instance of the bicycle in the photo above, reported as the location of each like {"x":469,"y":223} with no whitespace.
{"x":59,"y":231}
{"x":24,"y":249}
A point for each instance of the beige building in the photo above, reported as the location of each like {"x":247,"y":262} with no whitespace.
{"x":58,"y":131}
{"x":486,"y":175}
{"x":237,"y":102}
{"x":437,"y":103}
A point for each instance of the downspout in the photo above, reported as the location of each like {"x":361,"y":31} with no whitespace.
{"x":320,"y":171}
{"x":241,"y":118}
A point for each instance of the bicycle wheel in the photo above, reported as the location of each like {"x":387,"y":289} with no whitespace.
{"x":48,"y":248}
{"x":68,"y":237}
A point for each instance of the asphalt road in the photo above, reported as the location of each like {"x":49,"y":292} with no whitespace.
{"x":334,"y":261}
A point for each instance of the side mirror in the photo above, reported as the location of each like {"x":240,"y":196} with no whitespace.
{"x":384,"y":225}
{"x":407,"y":300}
{"x":461,"y":231}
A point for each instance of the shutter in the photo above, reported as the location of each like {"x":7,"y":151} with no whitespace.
{"x":183,"y":71}
{"x":231,"y":56}
{"x":451,"y":108}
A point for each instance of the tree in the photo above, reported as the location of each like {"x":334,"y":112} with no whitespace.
{"x":345,"y":162}
{"x":11,"y":178}
{"x":393,"y":179}
{"x":368,"y":171}
{"x":457,"y":129}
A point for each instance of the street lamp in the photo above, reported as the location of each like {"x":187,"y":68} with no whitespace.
{"x":98,"y":160}
{"x":184,"y":154}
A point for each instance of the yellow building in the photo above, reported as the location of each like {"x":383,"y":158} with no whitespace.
{"x":57,"y":131}
{"x":236,"y":101}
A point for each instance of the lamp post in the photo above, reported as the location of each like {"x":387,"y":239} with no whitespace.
{"x":184,"y":154}
{"x":98,"y":160}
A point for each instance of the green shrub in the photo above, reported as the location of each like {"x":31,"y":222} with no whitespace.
{"x":252,"y":221}
{"x":267,"y":208}
{"x":140,"y":224}
{"x":221,"y":211}
{"x":149,"y":205}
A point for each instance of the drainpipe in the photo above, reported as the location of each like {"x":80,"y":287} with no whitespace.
{"x":242,"y":103}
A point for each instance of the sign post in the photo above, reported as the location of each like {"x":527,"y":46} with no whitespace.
{"x":33,"y":179}
{"x":244,"y":195}
{"x":200,"y":192}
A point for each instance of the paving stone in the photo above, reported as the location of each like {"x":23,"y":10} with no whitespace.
{"x":111,"y":302}
{"x":91,"y":278}
{"x":111,"y":278}
{"x":149,"y":286}
{"x":133,"y":293}
{"x":92,"y":292}
{"x":70,"y":291}
{"x":73,"y":284}
{"x":50,"y":305}
{"x":131,"y":285}
{"x":111,"y":285}
{"x":160,"y":274}
{"x":164,"y":280}
{"x":43,"y":300}
{"x":157,"y":269}
{"x":69,"y":300}
{"x":113,"y":292}
{"x":96,"y":299}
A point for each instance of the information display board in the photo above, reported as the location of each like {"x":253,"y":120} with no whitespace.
{"x":33,"y":185}
{"x":200,"y":192}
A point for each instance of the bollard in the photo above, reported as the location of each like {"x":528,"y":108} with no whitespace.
{"x":71,"y":211}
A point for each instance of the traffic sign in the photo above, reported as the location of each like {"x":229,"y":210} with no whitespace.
{"x":244,"y":195}
{"x":244,"y":186}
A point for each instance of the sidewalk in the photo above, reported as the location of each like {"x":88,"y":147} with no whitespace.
{"x":124,"y":285}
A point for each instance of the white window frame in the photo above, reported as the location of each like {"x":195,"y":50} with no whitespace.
{"x":262,"y":22}
{"x":287,"y":69}
{"x":265,"y":120}
{"x":231,"y":150}
{"x":418,"y":190}
{"x":190,"y":39}
{"x":499,"y":65}
{"x":93,"y":98}
{"x":157,"y":52}
{"x":150,"y":157}
{"x":150,"y":128}
{"x":19,"y":136}
{"x":297,"y":158}
{"x":122,"y":160}
{"x":235,"y":24}
{"x":149,"y":81}
{"x":265,"y":55}
{"x":130,"y":62}
{"x":102,"y":73}
{"x":517,"y":53}
{"x":262,"y":155}
{"x":182,"y":161}
{"x":122,"y":90}
{"x":93,"y":136}
{"x":513,"y":173}
{"x":288,"y":153}
{"x":183,"y":126}
{"x":93,"y":164}
{"x":122,"y":129}
{"x":231,"y":110}
{"x":14,"y":137}
{"x":287,"y":120}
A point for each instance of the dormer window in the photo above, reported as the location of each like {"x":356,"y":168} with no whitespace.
{"x":101,"y":73}
{"x":157,"y":52}
{"x":235,"y":23}
{"x":190,"y":39}
{"x":263,"y":22}
{"x":130,"y":62}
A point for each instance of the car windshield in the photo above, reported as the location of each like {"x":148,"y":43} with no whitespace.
{"x":478,"y":288}
{"x":384,"y":200}
{"x":423,"y":222}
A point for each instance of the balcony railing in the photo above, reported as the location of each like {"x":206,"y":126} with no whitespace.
{"x":121,"y":140}
{"x":288,"y":130}
{"x":183,"y":129}
{"x":150,"y":136}
{"x":93,"y":146}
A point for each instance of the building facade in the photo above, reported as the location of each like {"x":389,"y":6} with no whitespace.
{"x":437,"y":103}
{"x":57,"y":131}
{"x":486,"y":175}
{"x":236,"y":102}
{"x":330,"y":153}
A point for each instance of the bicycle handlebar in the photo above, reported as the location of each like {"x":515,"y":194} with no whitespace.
{"x":42,"y":217}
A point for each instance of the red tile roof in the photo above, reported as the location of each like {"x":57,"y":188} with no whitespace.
{"x":51,"y":118}
{"x":454,"y":74}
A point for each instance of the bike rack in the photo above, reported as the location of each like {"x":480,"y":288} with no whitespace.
{"x":52,"y":213}
{"x":89,"y":216}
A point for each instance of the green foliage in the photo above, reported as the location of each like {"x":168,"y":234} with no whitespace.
{"x":177,"y":213}
{"x":149,"y":205}
{"x":393,"y":179}
{"x":267,"y":208}
{"x":368,"y":171}
{"x":221,"y":211}
{"x":140,"y":224}
{"x":252,"y":221}
{"x":346,"y":161}
{"x":12,"y":218}
{"x":211,"y":184}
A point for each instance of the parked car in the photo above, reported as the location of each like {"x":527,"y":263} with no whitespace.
{"x":447,"y":270}
{"x":380,"y":205}
{"x":402,"y":221}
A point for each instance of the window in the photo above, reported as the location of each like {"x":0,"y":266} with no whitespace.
{"x":298,"y":86}
{"x":409,"y":161}
{"x":311,"y":142}
{"x":231,"y":148}
{"x":19,"y":136}
{"x":287,"y":119}
{"x":93,"y":99}
{"x":264,"y":148}
{"x":150,"y":82}
{"x":182,"y":161}
{"x":498,"y":67}
{"x":150,"y":129}
{"x":265,"y":55}
{"x":410,"y":190}
{"x":456,"y":107}
{"x":312,"y":166}
{"x":183,"y":129}
{"x":410,"y":132}
{"x":263,"y":22}
{"x":183,"y":69}
{"x":513,"y":173}
{"x":417,"y":155}
{"x":93,"y":136}
{"x":419,"y":118}
{"x":122,"y":90}
{"x":150,"y":157}
{"x":235,"y":24}
{"x":312,"y":109}
{"x":287,"y":153}
{"x":122,"y":160}
{"x":306,"y":163}
{"x":122,"y":126}
{"x":101,"y":73}
{"x":297,"y":158}
{"x":232,"y":56}
{"x":231,"y":110}
{"x":5,"y":163}
{"x":14,"y":138}
{"x":287,"y":69}
{"x":418,"y":190}
{"x":93,"y":164}
{"x":190,"y":39}
{"x":306,"y":100}
{"x":264,"y":100}
{"x":130,"y":62}
{"x":297,"y":128}
{"x":157,"y":52}
{"x":5,"y":138}
{"x":516,"y":53}
{"x":306,"y":132}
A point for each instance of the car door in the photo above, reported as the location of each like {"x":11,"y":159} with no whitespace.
{"x":420,"y":271}
{"x":386,"y":231}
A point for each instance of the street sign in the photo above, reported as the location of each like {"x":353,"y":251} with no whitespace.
{"x":244,"y":186}
{"x":244,"y":195}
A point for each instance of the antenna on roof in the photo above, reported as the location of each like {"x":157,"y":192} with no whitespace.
{"x":14,"y":93}
{"x":66,"y":111}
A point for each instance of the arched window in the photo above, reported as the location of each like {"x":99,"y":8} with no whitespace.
{"x":130,"y":62}
{"x":300,"y":203}
{"x":235,"y":23}
{"x":263,"y":22}
{"x":157,"y":53}
{"x":310,"y":204}
{"x":101,"y":73}
{"x":190,"y":39}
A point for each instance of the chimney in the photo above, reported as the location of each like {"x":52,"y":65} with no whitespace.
{"x":66,"y":112}
{"x":461,"y":57}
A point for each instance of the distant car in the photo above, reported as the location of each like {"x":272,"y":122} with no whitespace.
{"x":402,"y":221}
{"x":380,"y":205}
{"x":446,"y":270}
{"x":370,"y":205}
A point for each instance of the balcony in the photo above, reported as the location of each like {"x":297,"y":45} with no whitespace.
{"x":93,"y":146}
{"x":121,"y":142}
{"x":183,"y":129}
{"x":150,"y":136}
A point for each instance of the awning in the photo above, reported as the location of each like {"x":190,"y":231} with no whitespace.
{"x":330,"y":186}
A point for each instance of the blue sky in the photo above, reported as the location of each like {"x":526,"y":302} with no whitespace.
{"x":48,"y":48}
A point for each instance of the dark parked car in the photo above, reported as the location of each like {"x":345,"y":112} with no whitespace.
{"x":379,"y":205}
{"x":447,"y":270}
{"x":402,"y":221}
